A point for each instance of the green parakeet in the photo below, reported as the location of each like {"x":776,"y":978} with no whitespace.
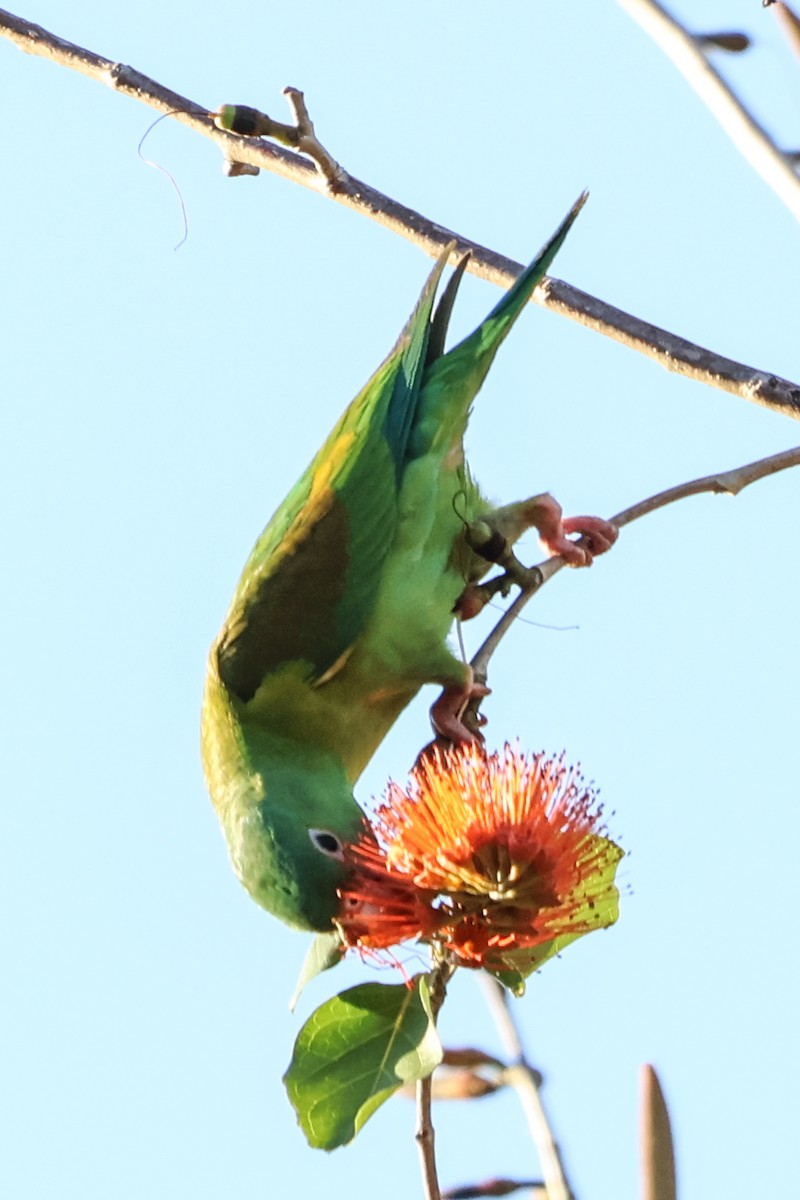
{"x":344,"y":606}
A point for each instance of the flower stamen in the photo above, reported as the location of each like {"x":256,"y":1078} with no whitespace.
{"x":500,"y":859}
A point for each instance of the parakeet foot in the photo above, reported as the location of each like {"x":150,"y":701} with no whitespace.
{"x":546,"y":514}
{"x":471,"y":601}
{"x":448,"y":710}
{"x":600,"y":535}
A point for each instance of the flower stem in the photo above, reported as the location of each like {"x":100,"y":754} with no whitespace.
{"x":424,"y":1134}
{"x":525,"y":1080}
{"x":426,"y":1139}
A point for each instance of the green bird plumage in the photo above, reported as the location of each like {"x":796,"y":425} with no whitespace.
{"x":344,"y":606}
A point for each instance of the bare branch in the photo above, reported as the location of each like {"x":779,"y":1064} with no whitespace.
{"x":671,"y":351}
{"x":751,"y":139}
{"x":425,"y":1140}
{"x":424,"y":1134}
{"x":526,"y":1081}
{"x":730,"y":482}
{"x":309,"y":143}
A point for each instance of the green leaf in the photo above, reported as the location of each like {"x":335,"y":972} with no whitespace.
{"x":355,"y":1051}
{"x":325,"y":952}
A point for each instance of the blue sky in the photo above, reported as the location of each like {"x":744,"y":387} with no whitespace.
{"x":158,"y":405}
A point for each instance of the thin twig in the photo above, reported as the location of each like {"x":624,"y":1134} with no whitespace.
{"x":730,"y":482}
{"x":750,"y":138}
{"x":526,"y":1080}
{"x":424,"y":1133}
{"x":671,"y":351}
{"x":425,"y":1139}
{"x":310,"y":144}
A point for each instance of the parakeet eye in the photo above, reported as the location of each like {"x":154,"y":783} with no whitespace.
{"x":327,"y":843}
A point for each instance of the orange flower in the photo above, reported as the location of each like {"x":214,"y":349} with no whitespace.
{"x":499,"y":858}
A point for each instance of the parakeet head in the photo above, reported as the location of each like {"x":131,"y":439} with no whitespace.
{"x":286,"y":840}
{"x":286,"y":809}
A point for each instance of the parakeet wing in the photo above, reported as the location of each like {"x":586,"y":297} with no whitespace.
{"x":311,"y":580}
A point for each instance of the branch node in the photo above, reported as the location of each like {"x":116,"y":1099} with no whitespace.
{"x":308,"y":142}
{"x":249,"y":122}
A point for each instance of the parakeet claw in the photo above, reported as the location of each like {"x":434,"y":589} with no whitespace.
{"x":553,"y":527}
{"x":448,"y":710}
{"x":599,"y":536}
{"x":544,"y":513}
{"x":471,"y":601}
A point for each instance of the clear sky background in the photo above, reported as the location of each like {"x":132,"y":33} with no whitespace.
{"x":156,"y":407}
